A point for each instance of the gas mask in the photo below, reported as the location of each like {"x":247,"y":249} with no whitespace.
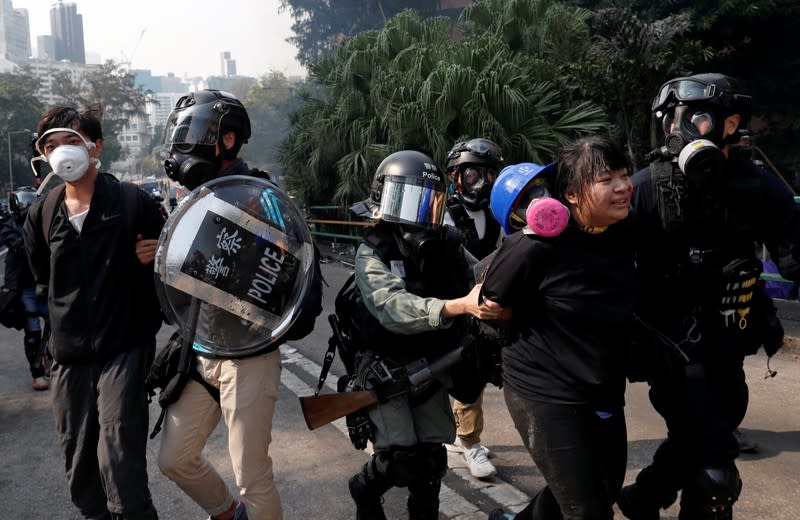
{"x":691,"y":137}
{"x":424,"y":243}
{"x":68,"y":161}
{"x":537,"y":210}
{"x":474,"y":185}
{"x":702,"y":162}
{"x":192,"y":170}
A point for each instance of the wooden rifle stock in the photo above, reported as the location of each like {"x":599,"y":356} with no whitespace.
{"x":319,"y":410}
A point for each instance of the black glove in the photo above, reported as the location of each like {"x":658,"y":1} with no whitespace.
{"x":773,"y":335}
{"x":360,"y":429}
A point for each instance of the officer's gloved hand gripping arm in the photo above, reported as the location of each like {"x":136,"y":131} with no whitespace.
{"x":385,"y":296}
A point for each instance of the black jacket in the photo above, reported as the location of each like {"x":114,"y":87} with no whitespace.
{"x":680,"y":268}
{"x":18,"y":273}
{"x":102,"y":299}
{"x":572,"y":299}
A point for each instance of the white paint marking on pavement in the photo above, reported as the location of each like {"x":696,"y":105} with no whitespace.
{"x":451,"y":503}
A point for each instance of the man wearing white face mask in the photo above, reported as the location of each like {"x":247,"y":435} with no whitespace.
{"x":80,"y":239}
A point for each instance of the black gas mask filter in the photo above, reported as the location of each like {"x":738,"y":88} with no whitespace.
{"x":192,"y":170}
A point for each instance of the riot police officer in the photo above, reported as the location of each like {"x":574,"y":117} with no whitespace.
{"x":414,"y":282}
{"x":203,"y":136}
{"x":701,"y":206}
{"x":473,"y":167}
{"x":18,"y":277}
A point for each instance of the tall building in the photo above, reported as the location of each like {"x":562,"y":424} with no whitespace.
{"x":46,"y":72}
{"x":66,"y":26}
{"x":15,"y":34}
{"x":45,"y":47}
{"x":227,"y":65}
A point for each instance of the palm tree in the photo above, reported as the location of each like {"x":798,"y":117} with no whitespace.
{"x":410,"y":86}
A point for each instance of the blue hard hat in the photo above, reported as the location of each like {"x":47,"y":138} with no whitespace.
{"x":509,"y":185}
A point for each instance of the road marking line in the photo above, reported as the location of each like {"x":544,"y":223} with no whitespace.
{"x":452,"y":504}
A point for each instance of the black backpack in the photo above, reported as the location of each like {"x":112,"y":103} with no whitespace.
{"x":346,"y":307}
{"x":12,"y":311}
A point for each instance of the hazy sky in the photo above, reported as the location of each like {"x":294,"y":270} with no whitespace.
{"x":180,"y":36}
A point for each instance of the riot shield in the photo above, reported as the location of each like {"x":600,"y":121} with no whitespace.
{"x":242,"y":248}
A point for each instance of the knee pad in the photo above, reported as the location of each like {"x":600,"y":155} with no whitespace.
{"x":411,"y":464}
{"x":713,"y":490}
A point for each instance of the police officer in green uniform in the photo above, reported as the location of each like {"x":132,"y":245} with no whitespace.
{"x":415,"y":284}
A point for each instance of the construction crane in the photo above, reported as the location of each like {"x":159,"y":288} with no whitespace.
{"x":129,"y":58}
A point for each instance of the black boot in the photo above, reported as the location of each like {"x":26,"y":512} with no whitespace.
{"x":635,"y":506}
{"x":423,"y":500}
{"x":367,"y":488}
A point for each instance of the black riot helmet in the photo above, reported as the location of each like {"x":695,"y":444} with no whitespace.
{"x":695,"y":107}
{"x":195,"y":127}
{"x":473,"y":167}
{"x":20,"y":200}
{"x":409,"y":189}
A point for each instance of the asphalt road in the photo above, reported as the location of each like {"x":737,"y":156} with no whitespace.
{"x":312,"y":468}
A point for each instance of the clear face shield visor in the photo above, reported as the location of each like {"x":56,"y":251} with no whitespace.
{"x":414,"y":201}
{"x":24,"y":199}
{"x":536,"y":189}
{"x":186,"y":128}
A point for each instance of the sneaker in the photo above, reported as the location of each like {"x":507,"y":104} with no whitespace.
{"x":40,"y":383}
{"x":745,"y":444}
{"x":458,"y":447}
{"x":499,"y":514}
{"x":478,"y":463}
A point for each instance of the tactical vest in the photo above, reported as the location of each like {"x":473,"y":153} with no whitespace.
{"x":706,"y":254}
{"x":479,"y":247}
{"x":436,"y":270}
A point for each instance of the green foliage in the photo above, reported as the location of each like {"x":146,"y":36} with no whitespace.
{"x":410,"y":86}
{"x":269,"y":102}
{"x":627,"y":62}
{"x":320,"y":25}
{"x":21,"y":111}
{"x":530,"y":74}
{"x":756,"y":41}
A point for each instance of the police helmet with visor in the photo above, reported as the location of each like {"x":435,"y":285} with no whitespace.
{"x":409,"y":189}
{"x":473,"y":167}
{"x":195,"y":127}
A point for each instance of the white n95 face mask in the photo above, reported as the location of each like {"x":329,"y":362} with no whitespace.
{"x":68,"y":161}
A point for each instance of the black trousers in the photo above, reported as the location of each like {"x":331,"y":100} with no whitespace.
{"x":701,"y":405}
{"x":101,"y":418}
{"x":581,"y":456}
